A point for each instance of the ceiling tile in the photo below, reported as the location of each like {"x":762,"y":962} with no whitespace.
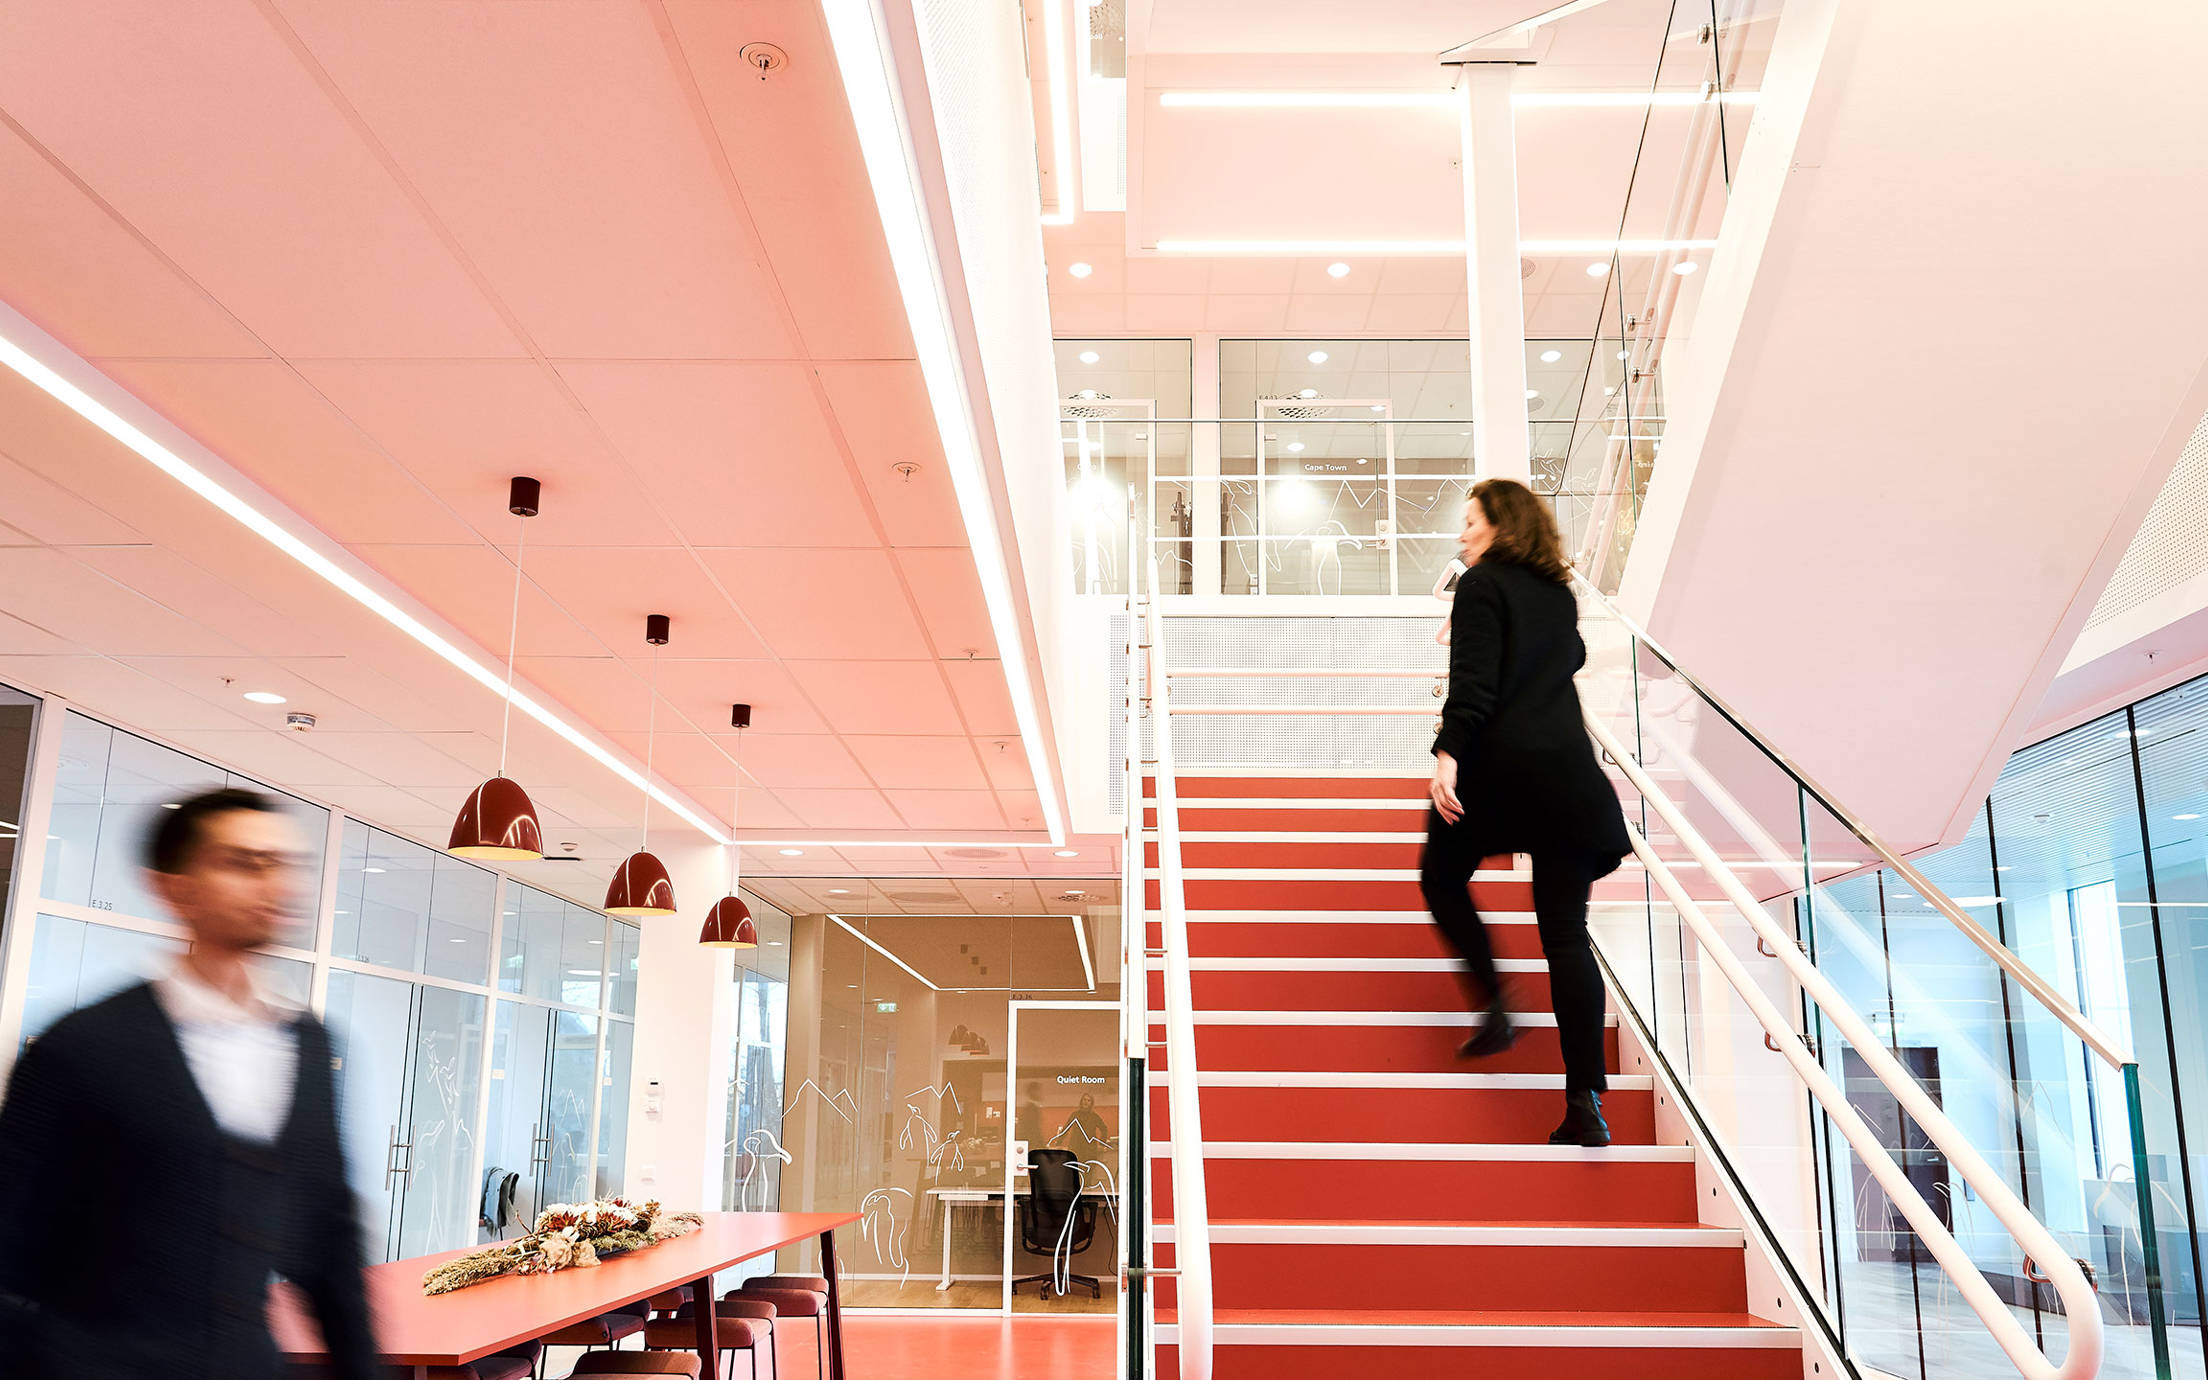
{"x":69,"y":265}
{"x":841,"y":809}
{"x":948,"y":590}
{"x":269,"y":422}
{"x":473,"y":587}
{"x":880,"y":696}
{"x":795,"y":155}
{"x":982,"y":697}
{"x":883,"y":410}
{"x":610,"y":590}
{"x":45,"y":588}
{"x":948,"y":809}
{"x":737,"y":454}
{"x":178,"y":116}
{"x":919,"y":763}
{"x":819,"y":604}
{"x":797,"y":759}
{"x":584,"y":190}
{"x":464,"y":428}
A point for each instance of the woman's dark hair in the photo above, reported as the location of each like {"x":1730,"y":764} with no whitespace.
{"x":1525,"y":529}
{"x":169,"y":847}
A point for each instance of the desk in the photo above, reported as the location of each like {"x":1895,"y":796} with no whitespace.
{"x":418,"y":1330}
{"x":951,"y":1197}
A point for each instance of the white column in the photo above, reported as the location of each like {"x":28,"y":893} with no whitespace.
{"x":1503,"y":444}
{"x":1203,"y":489}
{"x":685,"y":1035}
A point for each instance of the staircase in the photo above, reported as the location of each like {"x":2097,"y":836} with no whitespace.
{"x":1376,"y":1205}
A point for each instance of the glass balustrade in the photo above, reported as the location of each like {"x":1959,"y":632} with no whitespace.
{"x":2060,"y":1121}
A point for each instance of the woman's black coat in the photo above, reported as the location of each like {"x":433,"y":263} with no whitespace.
{"x":1526,"y":772}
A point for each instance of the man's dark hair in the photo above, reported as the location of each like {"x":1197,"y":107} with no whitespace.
{"x":169,"y":847}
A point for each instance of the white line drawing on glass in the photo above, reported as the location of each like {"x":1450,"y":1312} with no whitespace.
{"x":879,"y":1227}
{"x":835,"y":1103}
{"x":951,"y":1154}
{"x":761,"y":1146}
{"x":927,"y":1132}
{"x":945,"y":1091}
{"x":1111,"y":1186}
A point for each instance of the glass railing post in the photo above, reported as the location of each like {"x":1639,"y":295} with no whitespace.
{"x":2150,"y":1249}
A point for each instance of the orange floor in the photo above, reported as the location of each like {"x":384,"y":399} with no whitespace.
{"x":878,"y":1347}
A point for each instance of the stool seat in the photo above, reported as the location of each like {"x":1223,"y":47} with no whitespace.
{"x":788,"y":1303}
{"x":490,"y":1368}
{"x":636,"y":1363}
{"x":676,"y":1334}
{"x":603,"y":1330}
{"x":817,"y":1284}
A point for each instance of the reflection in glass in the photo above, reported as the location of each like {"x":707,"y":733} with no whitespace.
{"x":109,"y":786}
{"x":74,"y":964}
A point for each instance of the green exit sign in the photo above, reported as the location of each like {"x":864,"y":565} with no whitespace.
{"x":885,"y":1008}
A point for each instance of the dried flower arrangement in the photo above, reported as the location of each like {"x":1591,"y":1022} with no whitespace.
{"x":566,"y":1235}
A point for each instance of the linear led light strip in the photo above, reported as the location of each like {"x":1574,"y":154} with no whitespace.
{"x":23,"y":362}
{"x":1061,"y":117}
{"x":1080,"y":937}
{"x":855,"y":29}
{"x":1441,"y":100}
{"x":1430,"y":248}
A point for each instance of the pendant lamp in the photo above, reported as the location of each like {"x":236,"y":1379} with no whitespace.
{"x":641,"y":885}
{"x":497,"y":820}
{"x":729,"y":925}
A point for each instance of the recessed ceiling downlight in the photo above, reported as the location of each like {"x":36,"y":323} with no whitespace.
{"x":264,"y":697}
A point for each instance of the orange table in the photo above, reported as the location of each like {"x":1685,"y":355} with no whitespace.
{"x":415,"y":1329}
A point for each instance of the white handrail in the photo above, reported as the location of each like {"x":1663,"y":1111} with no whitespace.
{"x":2019,"y":972}
{"x":1134,"y":990}
{"x":1191,"y":1210}
{"x":2080,"y":1305}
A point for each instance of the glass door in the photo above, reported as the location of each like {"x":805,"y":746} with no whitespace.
{"x":371,"y":1020}
{"x":437,"y":1197}
{"x":1062,"y":1173}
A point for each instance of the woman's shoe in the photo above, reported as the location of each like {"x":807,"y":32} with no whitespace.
{"x":1583,"y":1123}
{"x":1495,"y":1035}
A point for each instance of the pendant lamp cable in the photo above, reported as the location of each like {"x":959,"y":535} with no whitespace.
{"x":651,"y":741}
{"x":735,"y":807}
{"x":513,"y":640}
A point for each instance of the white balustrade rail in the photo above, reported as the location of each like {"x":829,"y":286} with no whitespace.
{"x":2081,"y":1307}
{"x":1191,"y":1211}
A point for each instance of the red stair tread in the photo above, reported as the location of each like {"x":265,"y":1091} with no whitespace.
{"x":1529,"y":1224}
{"x":1465,"y":1317}
{"x":1292,"y":787}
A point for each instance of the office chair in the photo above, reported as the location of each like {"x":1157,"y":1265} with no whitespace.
{"x":1056,"y":1221}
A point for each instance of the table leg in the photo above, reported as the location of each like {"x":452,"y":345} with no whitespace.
{"x":835,"y":1306}
{"x":946,"y":1283}
{"x":709,"y":1328}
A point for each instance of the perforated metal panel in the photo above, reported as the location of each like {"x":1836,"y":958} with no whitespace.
{"x":2171,"y":546}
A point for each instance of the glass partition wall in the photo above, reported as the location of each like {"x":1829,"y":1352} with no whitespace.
{"x":952,"y":1044}
{"x":2087,"y":862}
{"x":482,"y":1027}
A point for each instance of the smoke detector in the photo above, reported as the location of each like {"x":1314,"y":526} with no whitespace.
{"x":299,"y":723}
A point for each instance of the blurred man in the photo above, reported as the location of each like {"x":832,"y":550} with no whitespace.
{"x":165,"y":1153}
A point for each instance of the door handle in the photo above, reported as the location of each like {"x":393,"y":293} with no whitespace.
{"x":391,"y":1158}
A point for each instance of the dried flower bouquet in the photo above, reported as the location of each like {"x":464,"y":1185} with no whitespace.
{"x":566,"y":1235}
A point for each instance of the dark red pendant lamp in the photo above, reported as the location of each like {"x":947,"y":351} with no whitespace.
{"x":497,"y":821}
{"x":729,"y":925}
{"x":641,"y":885}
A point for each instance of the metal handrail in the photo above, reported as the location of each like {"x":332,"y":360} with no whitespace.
{"x":1134,"y":997}
{"x":2080,"y":1306}
{"x":1191,"y":1210}
{"x":2056,"y":1004}
{"x":2087,"y":1341}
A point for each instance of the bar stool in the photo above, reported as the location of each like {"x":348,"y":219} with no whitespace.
{"x":793,"y":1296}
{"x":739,"y":1326}
{"x":605,"y":1330}
{"x":635,"y":1363}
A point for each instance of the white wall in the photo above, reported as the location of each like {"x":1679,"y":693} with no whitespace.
{"x":1947,"y":363}
{"x":685,"y":1038}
